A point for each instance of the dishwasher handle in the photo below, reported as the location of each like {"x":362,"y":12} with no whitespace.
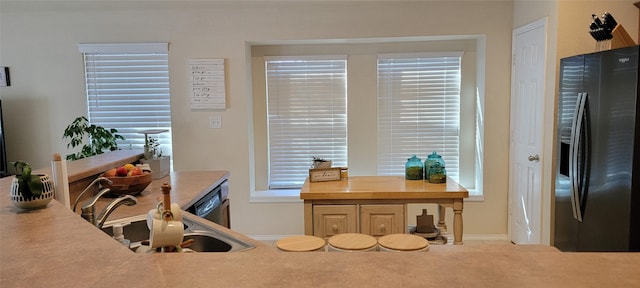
{"x":207,"y":204}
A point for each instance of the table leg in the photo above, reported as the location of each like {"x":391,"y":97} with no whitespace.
{"x":457,"y":221}
{"x":441,"y":213}
{"x":308,"y":218}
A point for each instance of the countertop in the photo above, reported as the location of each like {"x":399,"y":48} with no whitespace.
{"x":186,"y":189}
{"x":53,"y":247}
{"x":381,"y":187}
{"x":86,"y":167}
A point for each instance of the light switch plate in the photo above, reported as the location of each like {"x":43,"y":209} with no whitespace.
{"x":215,"y":122}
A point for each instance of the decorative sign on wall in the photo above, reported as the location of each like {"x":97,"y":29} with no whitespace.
{"x":206,"y":84}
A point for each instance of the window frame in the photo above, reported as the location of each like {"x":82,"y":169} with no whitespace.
{"x":359,"y":49}
{"x":157,"y":115}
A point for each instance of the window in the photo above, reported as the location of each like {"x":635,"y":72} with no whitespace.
{"x":127,"y":88}
{"x":306,"y":115}
{"x":418,"y":109}
{"x":384,"y":125}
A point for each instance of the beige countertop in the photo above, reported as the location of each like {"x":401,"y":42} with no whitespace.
{"x":186,"y":189}
{"x":86,"y":167}
{"x":53,"y":247}
{"x":381,"y":187}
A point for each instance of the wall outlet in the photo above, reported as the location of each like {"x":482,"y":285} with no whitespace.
{"x":215,"y":122}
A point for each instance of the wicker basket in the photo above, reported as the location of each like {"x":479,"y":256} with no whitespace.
{"x":129,"y":185}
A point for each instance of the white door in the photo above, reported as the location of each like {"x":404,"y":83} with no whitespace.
{"x":525,"y":155}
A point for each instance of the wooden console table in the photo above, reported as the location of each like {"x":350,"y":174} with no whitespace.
{"x":382,"y":190}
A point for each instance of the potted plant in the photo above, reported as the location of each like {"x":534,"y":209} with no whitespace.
{"x":99,"y":138}
{"x":28,"y":190}
{"x":321,"y":163}
{"x":152,"y":148}
{"x":158,"y":163}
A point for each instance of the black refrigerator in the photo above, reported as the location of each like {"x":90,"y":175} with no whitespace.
{"x":597,"y":191}
{"x":4,"y":170}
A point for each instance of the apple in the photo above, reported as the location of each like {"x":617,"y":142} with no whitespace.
{"x":121,"y":171}
{"x":110,"y":173}
{"x":136,"y":171}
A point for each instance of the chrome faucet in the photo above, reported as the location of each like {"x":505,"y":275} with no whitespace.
{"x":88,"y":208}
{"x":94,"y":182}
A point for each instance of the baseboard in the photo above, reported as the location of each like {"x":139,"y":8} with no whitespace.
{"x":470,"y":237}
{"x":485,"y":237}
{"x":269,"y":237}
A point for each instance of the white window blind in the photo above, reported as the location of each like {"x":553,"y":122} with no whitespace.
{"x":306,"y":115}
{"x":418,"y":109}
{"x":127,"y":88}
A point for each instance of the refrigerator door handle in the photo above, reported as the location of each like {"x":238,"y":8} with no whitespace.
{"x":573,"y":157}
{"x":574,"y":153}
{"x":584,"y":160}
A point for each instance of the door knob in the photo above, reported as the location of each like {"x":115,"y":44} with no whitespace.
{"x":534,"y":158}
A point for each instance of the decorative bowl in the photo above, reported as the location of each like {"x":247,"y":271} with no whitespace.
{"x":22,"y":202}
{"x":128,"y":185}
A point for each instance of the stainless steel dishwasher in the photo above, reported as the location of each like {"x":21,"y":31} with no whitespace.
{"x":214,"y":206}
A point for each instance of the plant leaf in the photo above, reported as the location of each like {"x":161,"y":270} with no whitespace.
{"x":36,"y":186}
{"x":26,"y":173}
{"x":23,"y":188}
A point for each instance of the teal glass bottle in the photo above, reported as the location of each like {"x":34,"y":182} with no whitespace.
{"x":431,"y":160}
{"x":437,"y":174}
{"x":414,"y":169}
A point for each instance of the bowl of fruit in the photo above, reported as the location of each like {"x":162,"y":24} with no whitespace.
{"x":127,"y":180}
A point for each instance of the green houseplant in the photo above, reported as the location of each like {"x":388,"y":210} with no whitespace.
{"x":28,"y":190}
{"x":158,"y":163}
{"x":152,"y":148}
{"x":28,"y":185}
{"x":99,"y":138}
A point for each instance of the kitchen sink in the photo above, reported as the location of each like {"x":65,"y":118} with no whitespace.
{"x":207,"y":243}
{"x":206,"y":238}
{"x":135,"y":231}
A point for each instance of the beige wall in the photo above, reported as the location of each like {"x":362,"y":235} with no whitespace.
{"x":574,"y":20}
{"x":525,"y":12}
{"x":567,"y":34}
{"x":38,"y":42}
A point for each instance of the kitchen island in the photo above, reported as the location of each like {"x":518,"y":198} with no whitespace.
{"x":53,"y":247}
{"x":381,"y":202}
{"x":186,"y":187}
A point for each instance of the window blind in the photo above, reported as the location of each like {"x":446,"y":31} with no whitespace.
{"x":306,"y":115}
{"x":418,"y":109}
{"x":127,"y":88}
